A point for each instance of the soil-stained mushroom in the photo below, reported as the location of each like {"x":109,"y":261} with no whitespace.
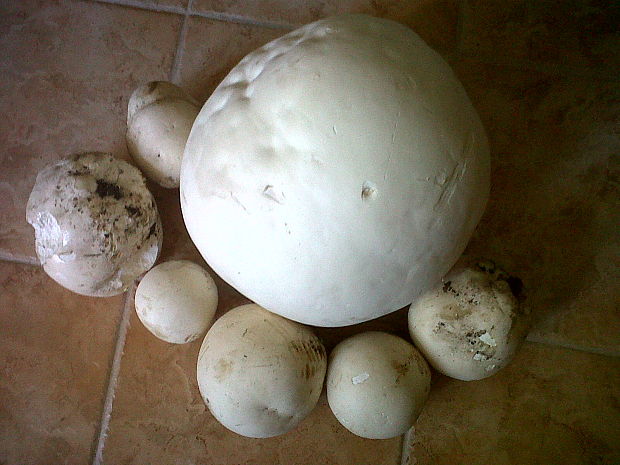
{"x":159,"y":118}
{"x":176,"y":301}
{"x":471,"y":325}
{"x":377,"y":384}
{"x":260,"y":374}
{"x":96,"y":224}
{"x":336,"y":173}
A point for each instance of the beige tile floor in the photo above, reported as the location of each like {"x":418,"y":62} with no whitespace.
{"x":544,"y":76}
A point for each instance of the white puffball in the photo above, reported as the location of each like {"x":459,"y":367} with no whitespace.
{"x":96,"y":224}
{"x":159,"y":118}
{"x":260,"y":374}
{"x":471,"y":325}
{"x":377,"y":384}
{"x":176,"y":301}
{"x":336,"y":173}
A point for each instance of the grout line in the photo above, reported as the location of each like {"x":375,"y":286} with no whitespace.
{"x":114,"y":375}
{"x":18,"y":258}
{"x":571,"y":346}
{"x":175,"y":69}
{"x":405,"y":456}
{"x":145,"y":5}
{"x":244,"y":20}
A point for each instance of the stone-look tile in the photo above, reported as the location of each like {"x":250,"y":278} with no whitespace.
{"x":159,"y":416}
{"x":434,"y":20}
{"x":551,"y":406}
{"x":556,"y":32}
{"x":68,"y":69}
{"x":55,"y":354}
{"x":213,"y":48}
{"x":553,"y":214}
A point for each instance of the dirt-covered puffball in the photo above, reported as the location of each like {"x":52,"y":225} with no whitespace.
{"x":96,"y":224}
{"x":259,"y":373}
{"x":176,"y":301}
{"x":471,"y":325}
{"x":160,"y":116}
{"x":377,"y":384}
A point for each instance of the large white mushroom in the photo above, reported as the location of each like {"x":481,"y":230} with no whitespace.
{"x":96,"y":224}
{"x":471,"y":325}
{"x":260,"y":374}
{"x":377,"y":384}
{"x":336,"y":173}
{"x":159,"y":118}
{"x":176,"y":301}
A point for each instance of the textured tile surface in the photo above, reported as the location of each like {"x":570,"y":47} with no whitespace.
{"x":553,"y":213}
{"x":579,"y":33}
{"x":551,"y":406}
{"x":213,"y":48}
{"x":159,"y":416}
{"x":69,"y":68}
{"x":55,"y":354}
{"x":434,"y":20}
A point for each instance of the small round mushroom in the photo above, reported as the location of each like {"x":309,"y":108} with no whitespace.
{"x":471,"y":325}
{"x":176,"y":301}
{"x":96,"y":224}
{"x":377,"y":384}
{"x":160,"y":116}
{"x":259,"y":373}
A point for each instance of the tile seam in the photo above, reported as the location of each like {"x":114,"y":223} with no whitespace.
{"x":174,"y":75}
{"x":239,"y":19}
{"x":18,"y":259}
{"x":113,"y":377}
{"x":576,"y":347}
{"x":145,"y":6}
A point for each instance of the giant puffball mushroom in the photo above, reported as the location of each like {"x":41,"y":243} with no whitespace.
{"x":377,"y":384}
{"x":96,"y":224}
{"x":260,"y":374}
{"x":176,"y":301}
{"x":471,"y":325}
{"x":159,"y":118}
{"x":348,"y":164}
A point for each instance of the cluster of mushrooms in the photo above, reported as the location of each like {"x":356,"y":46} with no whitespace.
{"x":334,"y":176}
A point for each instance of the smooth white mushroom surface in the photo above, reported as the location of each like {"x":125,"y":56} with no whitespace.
{"x":336,"y":173}
{"x":377,"y":384}
{"x":260,"y":374}
{"x":159,"y":118}
{"x":176,"y":301}
{"x":96,"y":224}
{"x":471,"y":325}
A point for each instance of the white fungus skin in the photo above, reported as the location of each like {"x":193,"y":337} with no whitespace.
{"x":159,"y":118}
{"x":96,"y":224}
{"x":377,"y":384}
{"x":260,"y":374}
{"x":336,"y":173}
{"x":471,"y":325}
{"x":176,"y":301}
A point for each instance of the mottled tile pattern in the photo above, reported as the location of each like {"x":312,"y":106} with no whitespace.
{"x":553,"y":213}
{"x":551,"y":406}
{"x":543,"y":76}
{"x":583,"y":34}
{"x":68,"y":69}
{"x":434,"y":20}
{"x":55,"y":354}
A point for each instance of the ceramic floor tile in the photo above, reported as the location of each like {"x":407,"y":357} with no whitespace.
{"x":550,"y":406}
{"x":177,"y":5}
{"x":581,"y":33}
{"x":434,"y":20}
{"x":553,"y":212}
{"x":68,"y":69}
{"x":160,"y":417}
{"x":55,"y":354}
{"x":213,"y":48}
